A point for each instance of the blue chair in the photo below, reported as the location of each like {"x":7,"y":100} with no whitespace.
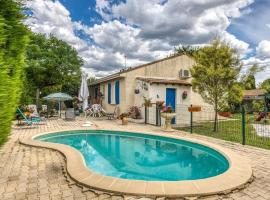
{"x":18,"y":110}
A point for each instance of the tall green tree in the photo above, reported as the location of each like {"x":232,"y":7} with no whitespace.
{"x":215,"y":74}
{"x":186,"y":50}
{"x":13,"y":40}
{"x":52,"y":65}
{"x":248,"y":79}
{"x":265,"y":85}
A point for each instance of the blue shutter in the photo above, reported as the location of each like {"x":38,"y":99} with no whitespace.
{"x":117,"y":92}
{"x":109,"y":93}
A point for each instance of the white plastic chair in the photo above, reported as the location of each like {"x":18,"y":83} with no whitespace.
{"x":89,"y":112}
{"x":96,"y":110}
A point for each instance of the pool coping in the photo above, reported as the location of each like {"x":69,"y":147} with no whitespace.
{"x":237,"y":176}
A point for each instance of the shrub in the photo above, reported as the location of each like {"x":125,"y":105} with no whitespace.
{"x":135,"y":112}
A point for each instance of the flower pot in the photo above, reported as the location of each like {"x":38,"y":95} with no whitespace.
{"x":148,"y":105}
{"x":124,"y":121}
{"x":225,"y":114}
{"x":168,"y":118}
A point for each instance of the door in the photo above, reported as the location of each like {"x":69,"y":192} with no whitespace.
{"x":170,"y":99}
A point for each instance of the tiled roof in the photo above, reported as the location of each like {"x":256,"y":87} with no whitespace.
{"x":164,"y":81}
{"x":253,"y":93}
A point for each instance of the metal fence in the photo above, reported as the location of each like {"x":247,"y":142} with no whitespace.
{"x":251,"y":128}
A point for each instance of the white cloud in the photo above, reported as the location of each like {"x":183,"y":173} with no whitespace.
{"x":52,"y":18}
{"x":117,"y":37}
{"x":185,"y":21}
{"x":102,"y":6}
{"x":241,"y":46}
{"x":263,"y":49}
{"x":262,"y":58}
{"x":151,"y":30}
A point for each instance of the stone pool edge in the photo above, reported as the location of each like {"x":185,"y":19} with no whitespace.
{"x":236,"y":177}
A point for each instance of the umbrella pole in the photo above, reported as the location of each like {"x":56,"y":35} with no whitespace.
{"x":59,"y":109}
{"x":86,"y":122}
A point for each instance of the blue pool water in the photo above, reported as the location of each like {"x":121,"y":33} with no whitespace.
{"x":142,"y":157}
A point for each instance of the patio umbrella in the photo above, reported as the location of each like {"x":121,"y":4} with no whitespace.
{"x":84,"y":93}
{"x":58,"y":97}
{"x":83,"y":96}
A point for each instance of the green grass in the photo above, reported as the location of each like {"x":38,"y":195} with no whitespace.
{"x":231,"y":130}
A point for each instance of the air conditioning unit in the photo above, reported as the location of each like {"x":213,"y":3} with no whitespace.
{"x":184,"y":73}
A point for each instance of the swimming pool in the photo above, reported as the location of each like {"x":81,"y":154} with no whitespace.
{"x":137,"y":156}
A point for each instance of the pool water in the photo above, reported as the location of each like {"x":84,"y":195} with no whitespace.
{"x":142,"y":157}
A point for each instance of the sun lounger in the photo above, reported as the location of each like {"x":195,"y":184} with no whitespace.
{"x":26,"y":120}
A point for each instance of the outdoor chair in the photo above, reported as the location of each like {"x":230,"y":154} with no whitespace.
{"x":26,"y":120}
{"x":89,"y":112}
{"x":96,"y":110}
{"x":70,"y":114}
{"x":35,"y":117}
{"x":32,"y":119}
{"x":112,"y":115}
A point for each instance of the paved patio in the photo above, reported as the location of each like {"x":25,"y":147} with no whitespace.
{"x":35,"y":173}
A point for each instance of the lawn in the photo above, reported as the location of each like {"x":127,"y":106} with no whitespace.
{"x":231,"y":130}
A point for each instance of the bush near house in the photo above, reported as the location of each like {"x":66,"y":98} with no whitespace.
{"x":13,"y":39}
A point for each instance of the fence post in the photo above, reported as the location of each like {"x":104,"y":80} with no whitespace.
{"x":243,"y":125}
{"x":156,"y":115}
{"x":191,"y":120}
{"x":145,"y":114}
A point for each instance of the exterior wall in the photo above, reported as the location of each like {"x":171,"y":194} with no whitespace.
{"x":158,"y":93}
{"x":110,"y":107}
{"x":160,"y":90}
{"x":165,"y":69}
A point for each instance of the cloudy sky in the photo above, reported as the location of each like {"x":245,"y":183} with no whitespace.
{"x":104,"y":32}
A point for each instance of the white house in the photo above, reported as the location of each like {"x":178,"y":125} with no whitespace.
{"x":166,"y":80}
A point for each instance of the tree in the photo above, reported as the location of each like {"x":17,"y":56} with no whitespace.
{"x":215,"y":74}
{"x":52,"y":65}
{"x":91,"y":80}
{"x":248,"y":79}
{"x":13,"y":40}
{"x":265,"y":85}
{"x":186,"y":50}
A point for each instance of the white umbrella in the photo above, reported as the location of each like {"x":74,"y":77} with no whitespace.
{"x":84,"y":92}
{"x":83,"y":96}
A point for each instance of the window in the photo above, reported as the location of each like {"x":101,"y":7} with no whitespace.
{"x":117,"y":92}
{"x":109,"y":93}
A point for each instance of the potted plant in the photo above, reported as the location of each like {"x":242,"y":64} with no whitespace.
{"x":124,"y":118}
{"x":160,"y":105}
{"x":225,"y":112}
{"x":136,"y":91}
{"x":168,"y":113}
{"x":184,"y":95}
{"x":147,"y":102}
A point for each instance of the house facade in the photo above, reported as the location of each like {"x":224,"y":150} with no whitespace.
{"x":166,"y":80}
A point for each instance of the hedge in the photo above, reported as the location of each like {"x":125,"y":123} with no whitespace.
{"x":13,"y":41}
